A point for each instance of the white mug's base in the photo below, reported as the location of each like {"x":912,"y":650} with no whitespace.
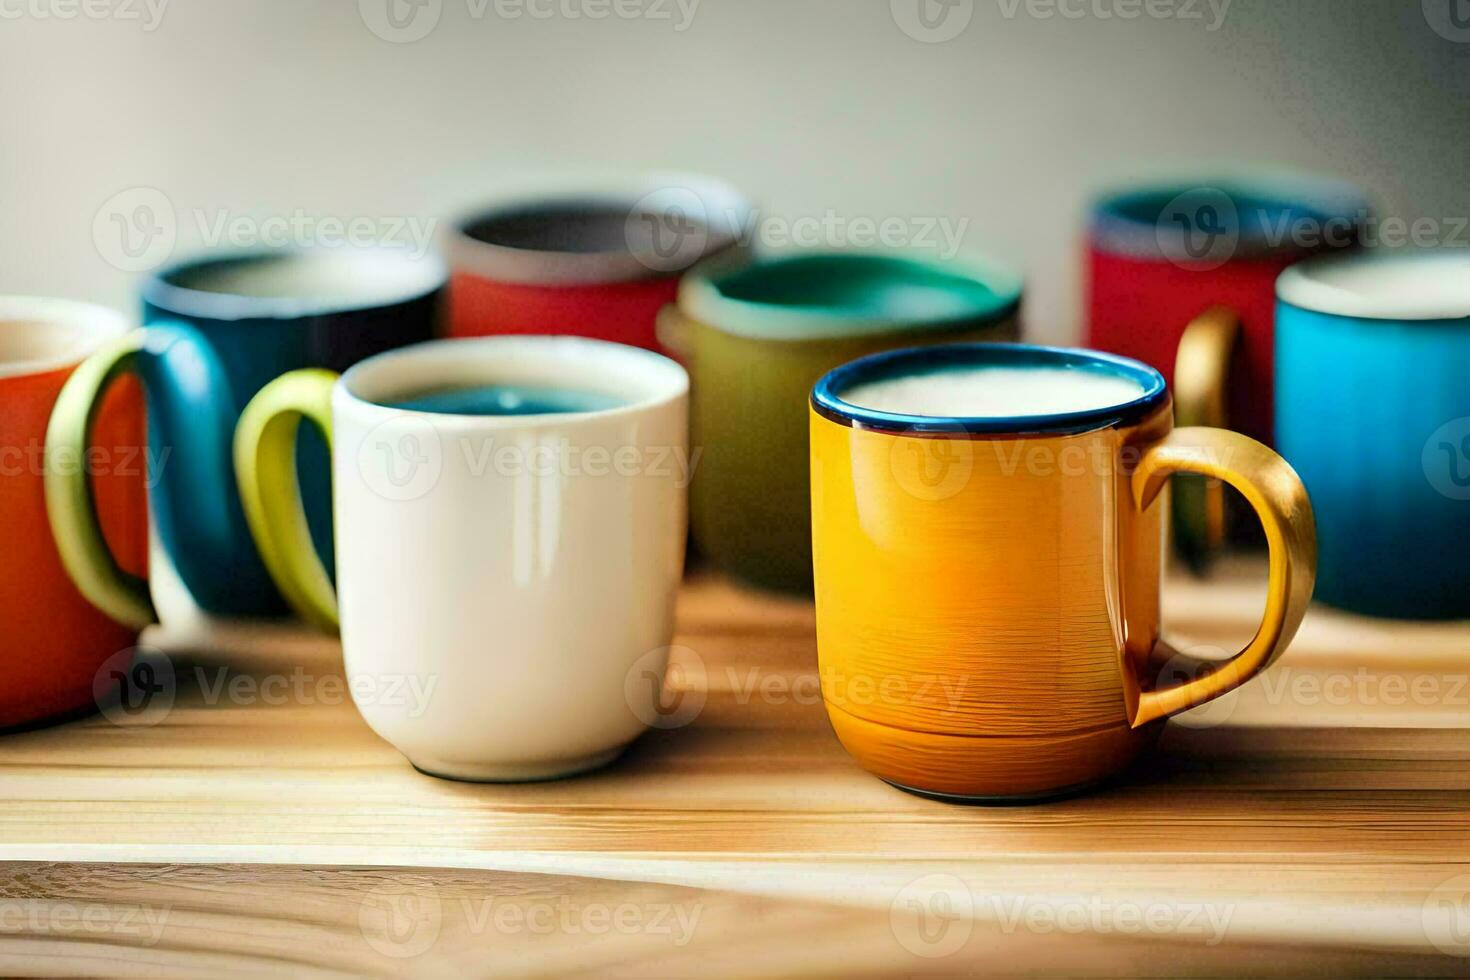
{"x":529,"y":773}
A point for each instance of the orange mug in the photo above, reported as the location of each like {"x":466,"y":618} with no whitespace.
{"x":56,"y":644}
{"x":987,"y":584}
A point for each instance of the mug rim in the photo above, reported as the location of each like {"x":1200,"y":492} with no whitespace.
{"x":701,"y":298}
{"x":663,"y":380}
{"x":826,"y":395}
{"x":498,"y":262}
{"x":1303,"y":286}
{"x":96,"y":324}
{"x":159,"y":289}
{"x":1112,"y":229}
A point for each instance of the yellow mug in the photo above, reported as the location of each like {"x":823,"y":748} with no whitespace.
{"x":987,"y":587}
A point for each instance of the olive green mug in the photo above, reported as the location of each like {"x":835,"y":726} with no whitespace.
{"x":756,"y":334}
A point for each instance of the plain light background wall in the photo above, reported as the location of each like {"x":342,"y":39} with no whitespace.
{"x":260,"y":108}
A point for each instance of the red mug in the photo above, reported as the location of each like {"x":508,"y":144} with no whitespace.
{"x":58,"y":648}
{"x":1182,"y":276}
{"x":595,"y":263}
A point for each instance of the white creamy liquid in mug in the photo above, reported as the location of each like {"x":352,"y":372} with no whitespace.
{"x":994,"y":392}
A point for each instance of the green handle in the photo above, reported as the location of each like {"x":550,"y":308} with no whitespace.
{"x":265,"y":464}
{"x":70,"y":504}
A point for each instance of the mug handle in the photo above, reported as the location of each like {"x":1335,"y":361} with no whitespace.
{"x":671,"y":328}
{"x":70,"y":505}
{"x":1201,"y":382}
{"x":1275,"y":491}
{"x":156,"y":354}
{"x":265,"y":465}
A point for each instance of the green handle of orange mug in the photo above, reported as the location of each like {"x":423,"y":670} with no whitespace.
{"x":265,"y":465}
{"x":70,"y":504}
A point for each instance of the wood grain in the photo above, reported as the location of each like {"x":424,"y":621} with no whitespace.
{"x":252,"y":920}
{"x":1326,"y":809}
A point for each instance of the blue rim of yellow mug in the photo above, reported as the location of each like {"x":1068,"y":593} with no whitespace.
{"x":827,"y":400}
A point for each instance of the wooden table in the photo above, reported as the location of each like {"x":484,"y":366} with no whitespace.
{"x":1318,"y":821}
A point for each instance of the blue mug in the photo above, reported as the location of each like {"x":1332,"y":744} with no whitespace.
{"x":216,"y":330}
{"x":1373,"y":411}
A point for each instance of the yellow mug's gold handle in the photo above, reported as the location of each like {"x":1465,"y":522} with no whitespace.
{"x":672,"y":329}
{"x":1280,"y":501}
{"x":1201,"y":384}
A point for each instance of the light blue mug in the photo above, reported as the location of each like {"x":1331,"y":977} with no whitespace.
{"x":1373,"y":411}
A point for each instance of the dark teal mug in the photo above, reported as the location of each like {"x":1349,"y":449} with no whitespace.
{"x":1373,"y":411}
{"x":216,"y":330}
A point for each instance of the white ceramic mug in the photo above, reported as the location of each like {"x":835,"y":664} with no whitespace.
{"x":503,"y":574}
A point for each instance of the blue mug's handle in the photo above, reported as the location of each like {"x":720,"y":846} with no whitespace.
{"x":185,"y":384}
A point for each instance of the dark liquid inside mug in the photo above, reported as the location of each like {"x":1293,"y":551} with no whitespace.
{"x":484,"y":400}
{"x":589,"y":228}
